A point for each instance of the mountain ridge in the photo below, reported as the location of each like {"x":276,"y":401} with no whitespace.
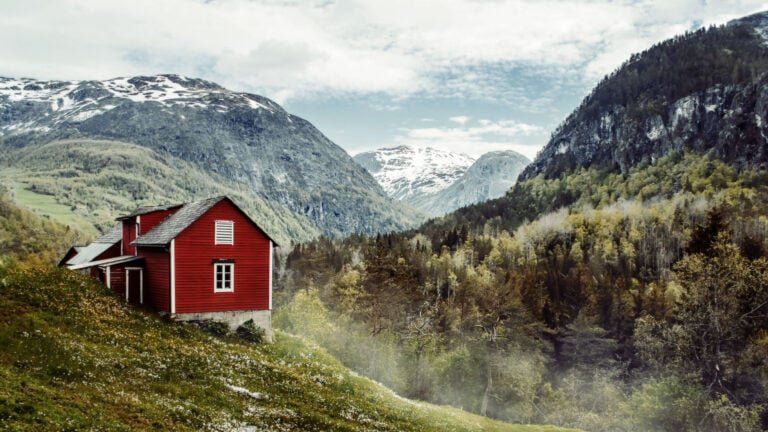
{"x":489,"y":177}
{"x":438,"y":181}
{"x":700,"y":91}
{"x":243,"y":137}
{"x":406,"y":173}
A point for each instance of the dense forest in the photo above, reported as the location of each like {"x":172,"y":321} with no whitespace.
{"x":637,"y":301}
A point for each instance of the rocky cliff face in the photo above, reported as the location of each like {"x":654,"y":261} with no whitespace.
{"x":711,"y":98}
{"x":728,"y":120}
{"x":244,"y":137}
{"x":489,"y":177}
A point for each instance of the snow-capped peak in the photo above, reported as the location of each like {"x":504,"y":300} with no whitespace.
{"x":407,"y":173}
{"x":77,"y":101}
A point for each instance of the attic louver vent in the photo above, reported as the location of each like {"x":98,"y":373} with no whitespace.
{"x":225,"y":232}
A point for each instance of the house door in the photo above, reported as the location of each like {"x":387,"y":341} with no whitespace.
{"x":134,"y":285}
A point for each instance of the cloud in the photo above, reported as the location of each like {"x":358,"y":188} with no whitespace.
{"x":474,"y":138}
{"x":301,"y":49}
{"x":460,"y":119}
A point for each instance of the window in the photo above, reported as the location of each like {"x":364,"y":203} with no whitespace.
{"x":224,"y":277}
{"x":225,"y":232}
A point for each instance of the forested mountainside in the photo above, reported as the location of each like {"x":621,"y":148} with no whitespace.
{"x":702,"y":91}
{"x":243,"y":138}
{"x":621,"y":285}
{"x":101,"y":180}
{"x":642,"y":306}
{"x":27,"y":236}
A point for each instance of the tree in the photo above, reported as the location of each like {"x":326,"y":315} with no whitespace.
{"x":723,"y":306}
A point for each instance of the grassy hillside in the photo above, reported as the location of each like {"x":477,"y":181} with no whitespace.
{"x":26,"y":235}
{"x":87,"y":184}
{"x":74,"y":357}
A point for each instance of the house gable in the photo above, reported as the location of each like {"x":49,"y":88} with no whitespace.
{"x":197,"y":258}
{"x":142,"y":221}
{"x":182,"y":219}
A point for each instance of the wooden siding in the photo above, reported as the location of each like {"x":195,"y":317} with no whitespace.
{"x":195,"y":255}
{"x":157,"y":283}
{"x":117,"y":280}
{"x":113,"y":251}
{"x":129,"y":235}
{"x":151,"y":220}
{"x":68,"y":256}
{"x":133,"y":282}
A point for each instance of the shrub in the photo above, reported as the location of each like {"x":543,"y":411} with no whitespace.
{"x":216,"y":328}
{"x":251,"y":332}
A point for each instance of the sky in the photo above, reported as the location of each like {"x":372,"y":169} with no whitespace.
{"x":469,"y":76}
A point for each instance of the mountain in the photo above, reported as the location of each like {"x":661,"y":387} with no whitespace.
{"x":100,"y":180}
{"x":438,"y":181}
{"x":489,"y":177}
{"x":702,"y":91}
{"x":243,"y":138}
{"x":410,"y":173}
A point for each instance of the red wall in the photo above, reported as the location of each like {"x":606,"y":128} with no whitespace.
{"x":129,"y":235}
{"x":68,"y":256}
{"x":117,"y":281}
{"x":113,"y":251}
{"x":195,"y":252}
{"x":157,"y":271}
{"x":146,"y":223}
{"x":151,"y":220}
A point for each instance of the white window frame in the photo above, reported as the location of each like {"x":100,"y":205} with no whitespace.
{"x":223,"y":223}
{"x":224,"y":265}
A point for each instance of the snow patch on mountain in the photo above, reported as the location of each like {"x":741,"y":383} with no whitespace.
{"x":408,"y":173}
{"x":758,"y":21}
{"x":243,"y":137}
{"x":489,"y":177}
{"x":438,"y":181}
{"x":77,"y":101}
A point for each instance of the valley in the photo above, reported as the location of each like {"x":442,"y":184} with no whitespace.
{"x":616,"y":283}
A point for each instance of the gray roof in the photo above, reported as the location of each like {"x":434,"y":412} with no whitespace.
{"x":107,"y":262}
{"x":144,"y":210}
{"x":163,"y":233}
{"x":99,"y":246}
{"x":112,"y":236}
{"x":88,"y":253}
{"x":171,"y":227}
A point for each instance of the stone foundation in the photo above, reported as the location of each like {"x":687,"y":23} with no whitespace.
{"x":234,"y":319}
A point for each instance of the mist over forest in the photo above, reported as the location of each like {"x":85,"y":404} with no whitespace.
{"x":641,"y":306}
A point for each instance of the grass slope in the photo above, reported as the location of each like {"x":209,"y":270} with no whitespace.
{"x":74,"y":357}
{"x":96,"y":181}
{"x":28,"y":236}
{"x":48,"y":207}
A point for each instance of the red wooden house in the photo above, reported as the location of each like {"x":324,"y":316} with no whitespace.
{"x":195,"y":261}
